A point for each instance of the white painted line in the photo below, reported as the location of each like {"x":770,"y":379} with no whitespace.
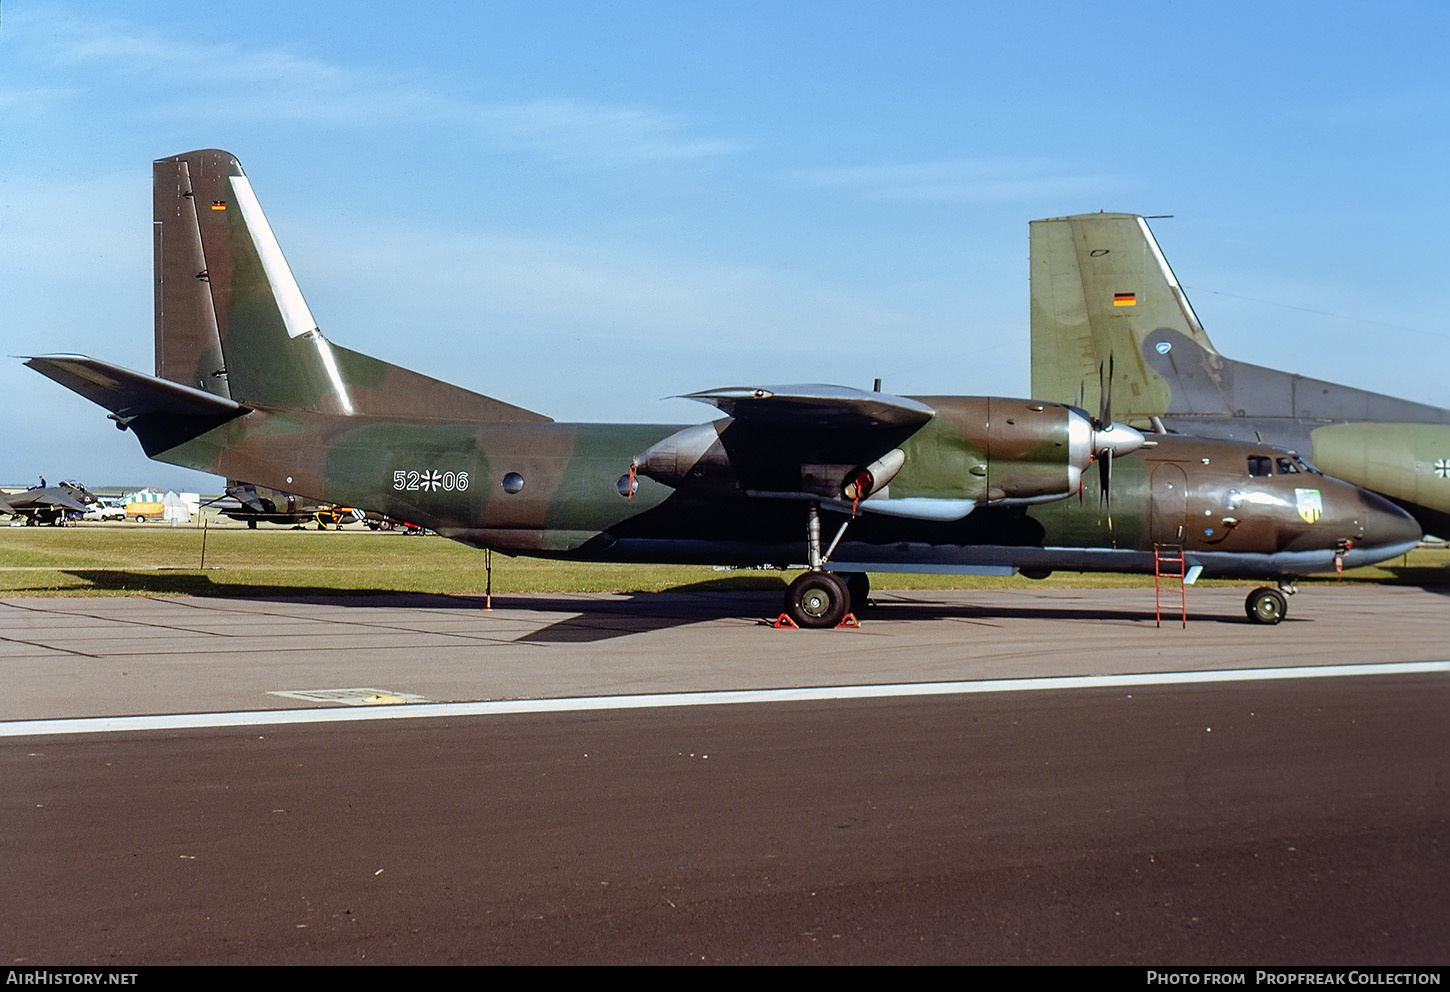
{"x":363,"y":696}
{"x":263,"y":718}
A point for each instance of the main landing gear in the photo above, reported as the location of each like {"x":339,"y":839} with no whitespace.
{"x":1268,"y":606}
{"x":817,"y":599}
{"x":820,"y":598}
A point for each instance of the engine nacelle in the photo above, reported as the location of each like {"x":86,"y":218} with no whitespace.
{"x":984,"y":450}
{"x":874,"y":477}
{"x":1037,"y":452}
{"x":692,"y":457}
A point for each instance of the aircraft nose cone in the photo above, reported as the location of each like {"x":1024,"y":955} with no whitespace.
{"x":1385,"y":524}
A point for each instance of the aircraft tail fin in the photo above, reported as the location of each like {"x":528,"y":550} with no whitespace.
{"x":1105,"y":300}
{"x":231,"y":320}
{"x":1100,"y":287}
{"x":188,"y":344}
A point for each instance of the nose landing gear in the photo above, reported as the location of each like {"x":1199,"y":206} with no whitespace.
{"x":1268,"y":606}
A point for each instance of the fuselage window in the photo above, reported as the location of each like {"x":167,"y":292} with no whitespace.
{"x":1259,"y":466}
{"x":1287,"y":467}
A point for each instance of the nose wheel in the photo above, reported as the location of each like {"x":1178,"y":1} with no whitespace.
{"x":1266,"y":606}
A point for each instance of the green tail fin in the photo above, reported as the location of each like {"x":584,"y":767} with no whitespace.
{"x":224,"y":290}
{"x":1100,"y":286}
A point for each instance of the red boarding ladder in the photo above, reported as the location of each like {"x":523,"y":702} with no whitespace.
{"x":1169,"y":563}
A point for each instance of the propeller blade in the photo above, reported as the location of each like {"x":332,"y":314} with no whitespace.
{"x":1105,"y":391}
{"x":1102,"y":395}
{"x":1105,"y":486}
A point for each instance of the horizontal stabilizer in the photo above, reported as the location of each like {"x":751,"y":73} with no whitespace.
{"x":816,"y":406}
{"x":129,"y":394}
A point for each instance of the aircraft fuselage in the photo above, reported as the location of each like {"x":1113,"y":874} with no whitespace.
{"x":557,"y":490}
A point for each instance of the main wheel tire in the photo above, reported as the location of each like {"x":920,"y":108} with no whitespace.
{"x":1266,"y":606}
{"x":817,"y":600}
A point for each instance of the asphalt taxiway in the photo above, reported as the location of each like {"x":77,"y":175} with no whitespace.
{"x":75,"y":657}
{"x":1270,"y":820}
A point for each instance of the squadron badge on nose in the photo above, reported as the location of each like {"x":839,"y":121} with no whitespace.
{"x":1310,"y":503}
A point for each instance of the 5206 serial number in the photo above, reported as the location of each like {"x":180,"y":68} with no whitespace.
{"x":430,"y":480}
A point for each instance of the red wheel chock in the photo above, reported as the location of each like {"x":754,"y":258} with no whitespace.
{"x":784,"y":622}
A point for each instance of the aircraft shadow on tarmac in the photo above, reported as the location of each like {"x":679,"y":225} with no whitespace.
{"x":637,"y":613}
{"x":586,"y":621}
{"x":600,"y":618}
{"x":604,"y":618}
{"x":191,"y":583}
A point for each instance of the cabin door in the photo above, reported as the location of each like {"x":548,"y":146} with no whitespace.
{"x":1169,"y":504}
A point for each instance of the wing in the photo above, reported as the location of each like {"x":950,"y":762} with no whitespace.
{"x":50,"y":496}
{"x":246,"y":494}
{"x":812,"y":442}
{"x":802,"y":407}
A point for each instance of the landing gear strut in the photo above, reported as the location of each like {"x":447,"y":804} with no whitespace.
{"x":820,"y":598}
{"x":1268,"y":606}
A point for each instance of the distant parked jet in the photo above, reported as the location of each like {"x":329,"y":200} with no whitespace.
{"x":47,"y":505}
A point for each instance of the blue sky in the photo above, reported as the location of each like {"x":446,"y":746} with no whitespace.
{"x":653,"y":198}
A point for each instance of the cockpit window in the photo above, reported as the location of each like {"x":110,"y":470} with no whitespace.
{"x":1259,"y":466}
{"x":1286,"y":466}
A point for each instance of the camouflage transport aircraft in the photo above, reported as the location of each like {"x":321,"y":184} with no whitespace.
{"x":1102,"y":291}
{"x":828,"y":478}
